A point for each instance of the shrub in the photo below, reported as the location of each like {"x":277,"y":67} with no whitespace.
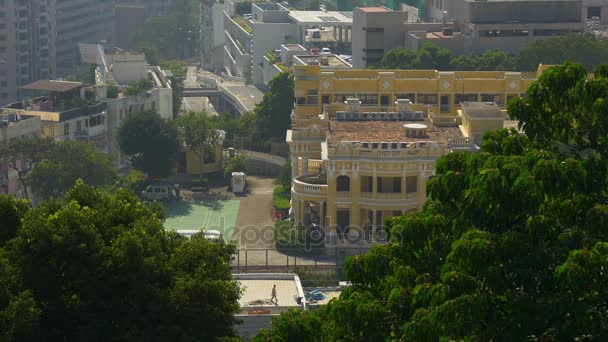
{"x":280,"y":198}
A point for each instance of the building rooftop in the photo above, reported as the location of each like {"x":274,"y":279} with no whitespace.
{"x":53,"y":86}
{"x":270,"y":6}
{"x":321,"y":17}
{"x":374,"y":9}
{"x":482,"y":110}
{"x":387,"y":131}
{"x":330,"y":61}
{"x":257,"y":291}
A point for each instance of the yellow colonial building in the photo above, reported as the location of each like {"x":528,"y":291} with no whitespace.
{"x":364,"y":142}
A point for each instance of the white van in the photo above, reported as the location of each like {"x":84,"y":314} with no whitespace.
{"x":157,"y":193}
{"x":325,"y":51}
{"x":211,"y":234}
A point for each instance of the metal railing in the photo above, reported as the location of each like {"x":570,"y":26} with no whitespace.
{"x":329,"y":258}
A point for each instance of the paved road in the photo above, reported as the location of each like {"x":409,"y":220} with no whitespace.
{"x":254,"y":225}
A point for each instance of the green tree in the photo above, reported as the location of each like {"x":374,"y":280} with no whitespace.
{"x":101,"y":266}
{"x":22,"y":154}
{"x":199,"y":135}
{"x":137,"y":88}
{"x":150,"y":141}
{"x":68,"y":161}
{"x":273,"y":114}
{"x":112,"y":91}
{"x":151,"y":54}
{"x":284,"y":177}
{"x":12,"y":210}
{"x":586,"y":49}
{"x":511,"y":244}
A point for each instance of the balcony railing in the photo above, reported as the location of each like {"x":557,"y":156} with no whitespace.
{"x":306,"y":185}
{"x":389,"y":195}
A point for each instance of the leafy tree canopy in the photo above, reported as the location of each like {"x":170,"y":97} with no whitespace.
{"x":101,"y":267}
{"x":585,"y":49}
{"x":273,"y":114}
{"x":151,"y":142}
{"x":22,"y":154}
{"x":511,"y":245}
{"x":68,"y":161}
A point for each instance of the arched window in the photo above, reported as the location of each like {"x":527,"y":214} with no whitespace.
{"x":343,"y":183}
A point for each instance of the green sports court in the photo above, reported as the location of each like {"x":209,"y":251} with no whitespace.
{"x":217,"y":214}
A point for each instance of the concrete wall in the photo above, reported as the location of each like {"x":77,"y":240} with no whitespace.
{"x":129,"y":68}
{"x":383,"y":31}
{"x":270,"y":37}
{"x":127,"y":20}
{"x":525,"y":11}
{"x":252,"y":324}
{"x":25,"y":127}
{"x":193,"y":163}
{"x":270,"y":12}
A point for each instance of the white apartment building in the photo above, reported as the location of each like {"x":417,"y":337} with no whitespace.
{"x":251,"y":33}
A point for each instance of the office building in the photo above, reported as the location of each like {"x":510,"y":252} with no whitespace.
{"x":80,"y":21}
{"x":27,"y":35}
{"x":364,"y":142}
{"x":464,"y":26}
{"x":211,"y":35}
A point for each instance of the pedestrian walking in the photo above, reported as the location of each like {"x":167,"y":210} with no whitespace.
{"x":274,"y":294}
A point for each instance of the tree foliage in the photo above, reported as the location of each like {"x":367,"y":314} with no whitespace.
{"x":199,"y":134}
{"x":173,"y":35}
{"x":150,"y":141}
{"x":511,"y":245}
{"x":273,"y":114}
{"x":101,"y":267}
{"x":22,"y":154}
{"x":68,"y":161}
{"x":585,"y":49}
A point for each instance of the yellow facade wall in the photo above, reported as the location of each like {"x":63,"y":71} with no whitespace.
{"x":193,"y":163}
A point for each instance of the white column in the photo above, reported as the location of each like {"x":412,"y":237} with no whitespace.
{"x":374,"y":228}
{"x":304,"y":165}
{"x":294,"y":167}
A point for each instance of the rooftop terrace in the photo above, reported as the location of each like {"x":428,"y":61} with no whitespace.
{"x":390,"y":131}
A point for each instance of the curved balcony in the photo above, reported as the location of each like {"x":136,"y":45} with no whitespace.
{"x":310,"y":186}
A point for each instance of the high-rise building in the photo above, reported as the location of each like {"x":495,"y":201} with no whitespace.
{"x":27,"y":35}
{"x":80,"y":21}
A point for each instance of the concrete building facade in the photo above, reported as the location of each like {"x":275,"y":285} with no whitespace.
{"x":120,"y":70}
{"x":597,"y":9}
{"x":69,"y":111}
{"x":466,"y":26}
{"x":211,"y":35}
{"x":80,"y":21}
{"x":364,"y":142}
{"x":27,"y":45}
{"x":270,"y":25}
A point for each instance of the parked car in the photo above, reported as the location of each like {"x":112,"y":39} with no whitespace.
{"x":157,"y":192}
{"x":325,"y":51}
{"x":213,"y":235}
{"x":314,"y":51}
